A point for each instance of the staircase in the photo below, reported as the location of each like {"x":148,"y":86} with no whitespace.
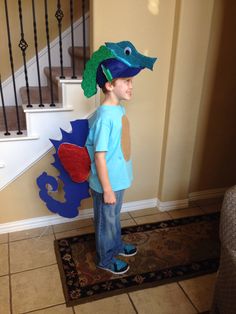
{"x":39,"y":124}
{"x":56,"y":72}
{"x":46,"y":95}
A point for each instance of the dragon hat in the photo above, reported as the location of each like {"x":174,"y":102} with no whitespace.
{"x":114,"y":60}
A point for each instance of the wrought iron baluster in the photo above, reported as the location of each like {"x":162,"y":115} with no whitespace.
{"x":72,"y":38}
{"x":59,"y":16}
{"x":49,"y":53}
{"x":4,"y":109}
{"x":23,"y":46}
{"x":84,"y":33}
{"x":12,"y":67}
{"x":36,"y":53}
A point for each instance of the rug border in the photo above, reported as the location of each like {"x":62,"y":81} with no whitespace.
{"x":175,"y":221}
{"x":165,"y":281}
{"x":61,"y":271}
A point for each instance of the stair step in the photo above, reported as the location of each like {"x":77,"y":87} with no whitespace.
{"x":46,"y":92}
{"x":12,"y":120}
{"x":34,"y":95}
{"x":79,"y":52}
{"x":78,"y":57}
{"x":56,"y":73}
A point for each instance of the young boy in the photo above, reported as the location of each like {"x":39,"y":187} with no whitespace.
{"x":108,"y":144}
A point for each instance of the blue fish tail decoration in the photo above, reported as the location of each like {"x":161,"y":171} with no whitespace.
{"x":74,"y":192}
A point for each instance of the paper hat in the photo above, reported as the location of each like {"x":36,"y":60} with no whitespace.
{"x":115,"y":60}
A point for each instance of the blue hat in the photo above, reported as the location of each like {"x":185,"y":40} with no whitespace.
{"x":115,"y":60}
{"x":113,"y":68}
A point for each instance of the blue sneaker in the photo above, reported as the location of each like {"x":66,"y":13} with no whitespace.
{"x":117,"y":267}
{"x":128,"y":250}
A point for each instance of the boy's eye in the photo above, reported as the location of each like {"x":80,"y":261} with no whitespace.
{"x":127,"y":51}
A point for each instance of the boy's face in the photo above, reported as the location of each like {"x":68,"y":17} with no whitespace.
{"x":122,"y":88}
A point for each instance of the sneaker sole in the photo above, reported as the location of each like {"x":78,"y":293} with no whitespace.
{"x":114,"y":272}
{"x":127,"y":255}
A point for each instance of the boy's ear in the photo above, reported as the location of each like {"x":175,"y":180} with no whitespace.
{"x":108,"y":86}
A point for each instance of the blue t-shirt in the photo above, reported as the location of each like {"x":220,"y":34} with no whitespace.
{"x":109,"y":133}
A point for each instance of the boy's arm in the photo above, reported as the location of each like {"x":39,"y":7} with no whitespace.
{"x":108,"y":194}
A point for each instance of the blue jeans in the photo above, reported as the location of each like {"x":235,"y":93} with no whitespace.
{"x":107,"y":227}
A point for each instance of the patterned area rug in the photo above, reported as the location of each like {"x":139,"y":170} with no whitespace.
{"x":168,"y":251}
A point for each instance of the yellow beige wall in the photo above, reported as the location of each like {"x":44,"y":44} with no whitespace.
{"x":191,"y":38}
{"x":214,"y":163}
{"x":150,"y":27}
{"x":28,"y":29}
{"x":182,"y":114}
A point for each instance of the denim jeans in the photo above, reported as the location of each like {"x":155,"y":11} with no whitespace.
{"x":107,"y":227}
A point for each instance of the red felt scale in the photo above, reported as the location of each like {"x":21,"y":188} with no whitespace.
{"x":75,"y":160}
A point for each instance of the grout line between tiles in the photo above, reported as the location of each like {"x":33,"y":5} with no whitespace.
{"x":217,"y":202}
{"x":71,"y":229}
{"x":30,"y":269}
{"x":44,"y":232}
{"x":129,"y":214}
{"x":33,"y":237}
{"x":188,"y":297}
{"x":9,"y":272}
{"x":126,"y":219}
{"x":147,"y":215}
{"x":54,"y":235}
{"x":53,"y":232}
{"x":131,"y":301}
{"x":44,"y":308}
{"x":4,"y":243}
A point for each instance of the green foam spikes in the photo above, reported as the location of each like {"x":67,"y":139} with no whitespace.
{"x":89,"y":84}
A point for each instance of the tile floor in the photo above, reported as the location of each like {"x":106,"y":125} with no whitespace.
{"x":30,"y":281}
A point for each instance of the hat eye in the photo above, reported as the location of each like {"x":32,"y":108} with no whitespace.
{"x":127,"y":51}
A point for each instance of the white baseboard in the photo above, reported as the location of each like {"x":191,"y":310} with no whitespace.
{"x":201,"y":195}
{"x":137,"y":205}
{"x":54,"y":219}
{"x":42,"y":221}
{"x":171,"y":205}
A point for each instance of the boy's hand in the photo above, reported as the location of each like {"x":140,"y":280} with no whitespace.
{"x":109,"y":197}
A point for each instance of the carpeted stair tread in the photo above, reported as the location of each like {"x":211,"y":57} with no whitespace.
{"x":34,"y":95}
{"x":78,"y":58}
{"x":56,"y":73}
{"x":78,"y":52}
{"x":46,"y":93}
{"x":11,"y":119}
